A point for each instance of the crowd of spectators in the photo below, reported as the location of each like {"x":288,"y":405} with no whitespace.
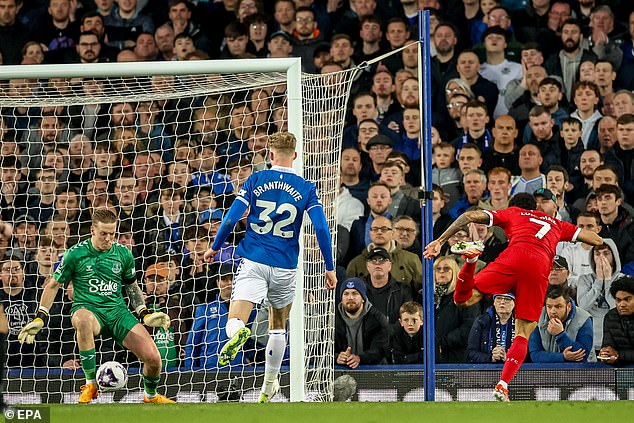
{"x":527,"y":96}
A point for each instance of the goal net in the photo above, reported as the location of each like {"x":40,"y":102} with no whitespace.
{"x":166,"y":147}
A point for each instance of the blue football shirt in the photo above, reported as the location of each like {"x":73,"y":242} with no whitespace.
{"x":277,"y":198}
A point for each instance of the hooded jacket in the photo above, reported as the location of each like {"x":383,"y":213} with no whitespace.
{"x":374,"y":333}
{"x":593,"y":294}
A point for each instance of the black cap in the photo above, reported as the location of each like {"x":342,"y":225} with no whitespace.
{"x":24,"y":218}
{"x":560,"y":262}
{"x":546,"y":193}
{"x":495,"y":30}
{"x":379,"y":252}
{"x":228,"y":268}
{"x":379,"y":139}
{"x":280,"y":33}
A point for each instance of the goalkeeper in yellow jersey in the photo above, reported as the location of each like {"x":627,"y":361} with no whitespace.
{"x":99,"y":268}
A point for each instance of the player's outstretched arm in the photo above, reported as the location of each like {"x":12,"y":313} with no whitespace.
{"x":237,"y":209}
{"x":589,"y":237}
{"x":322,"y":231}
{"x":433,"y":248}
{"x":152,"y":319}
{"x":30,"y":330}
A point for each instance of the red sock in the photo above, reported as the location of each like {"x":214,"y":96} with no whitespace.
{"x":465,"y":283}
{"x":514,"y":358}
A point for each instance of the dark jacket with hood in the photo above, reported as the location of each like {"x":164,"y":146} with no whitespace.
{"x":374,"y":334}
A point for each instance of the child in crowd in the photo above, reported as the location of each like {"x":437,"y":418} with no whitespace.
{"x":443,"y":173}
{"x":406,"y":342}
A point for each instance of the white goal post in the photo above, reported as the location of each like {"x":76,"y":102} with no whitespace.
{"x":313,"y":107}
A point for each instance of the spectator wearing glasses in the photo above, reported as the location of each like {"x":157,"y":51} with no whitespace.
{"x":306,"y":37}
{"x":383,"y":291}
{"x":258,"y":30}
{"x":493,"y":331}
{"x":453,"y":323}
{"x":88,"y":50}
{"x":559,"y":276}
{"x":18,"y":297}
{"x":406,"y":266}
{"x":593,"y":289}
{"x":406,"y":233}
{"x":379,"y":146}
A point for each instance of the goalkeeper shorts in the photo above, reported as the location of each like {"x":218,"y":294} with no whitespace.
{"x":114,"y":322}
{"x":256,"y":281}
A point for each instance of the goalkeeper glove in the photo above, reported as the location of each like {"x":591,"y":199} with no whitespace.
{"x":28,"y":332}
{"x":157,"y":319}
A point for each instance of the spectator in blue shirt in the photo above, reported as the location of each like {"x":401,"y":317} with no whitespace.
{"x":208,"y":335}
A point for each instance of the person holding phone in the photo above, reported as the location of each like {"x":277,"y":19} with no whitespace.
{"x":618,"y":325}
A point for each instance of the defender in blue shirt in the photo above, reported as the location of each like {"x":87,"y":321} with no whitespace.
{"x":277,"y":199}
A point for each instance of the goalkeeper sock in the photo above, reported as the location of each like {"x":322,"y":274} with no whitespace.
{"x":233,"y":326}
{"x":88,"y":365}
{"x":150,"y":384}
{"x":514,"y":358}
{"x":275,"y":348}
{"x":464,"y":283}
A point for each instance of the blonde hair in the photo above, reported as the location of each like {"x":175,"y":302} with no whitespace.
{"x":104,"y":216}
{"x":453,"y":264}
{"x":282,"y":142}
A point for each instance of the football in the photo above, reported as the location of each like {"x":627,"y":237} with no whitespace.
{"x":111,"y":376}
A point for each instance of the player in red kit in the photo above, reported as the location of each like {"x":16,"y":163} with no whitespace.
{"x":522,"y":268}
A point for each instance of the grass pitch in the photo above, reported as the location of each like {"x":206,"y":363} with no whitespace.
{"x":463,"y":412}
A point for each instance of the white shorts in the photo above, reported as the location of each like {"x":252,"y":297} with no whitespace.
{"x":255,"y":281}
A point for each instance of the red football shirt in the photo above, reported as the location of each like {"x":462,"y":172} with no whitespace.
{"x":532,"y":229}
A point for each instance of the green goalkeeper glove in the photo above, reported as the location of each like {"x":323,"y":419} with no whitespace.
{"x":156,"y":320}
{"x":28,"y":332}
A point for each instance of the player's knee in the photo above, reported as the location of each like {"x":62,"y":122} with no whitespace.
{"x":153,"y":361}
{"x":82,"y":323}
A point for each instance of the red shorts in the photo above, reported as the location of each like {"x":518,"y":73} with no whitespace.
{"x":524,"y":274}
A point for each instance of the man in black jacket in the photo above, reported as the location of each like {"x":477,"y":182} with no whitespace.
{"x":618,"y":325}
{"x":361,"y":331}
{"x":383,"y":292}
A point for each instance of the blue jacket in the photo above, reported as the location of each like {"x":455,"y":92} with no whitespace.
{"x":482,"y":340}
{"x":208,"y":335}
{"x":545,"y":348}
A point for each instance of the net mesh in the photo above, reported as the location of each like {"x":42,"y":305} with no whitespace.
{"x":167,"y":154}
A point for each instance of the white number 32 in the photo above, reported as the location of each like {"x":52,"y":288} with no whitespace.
{"x":267,"y":223}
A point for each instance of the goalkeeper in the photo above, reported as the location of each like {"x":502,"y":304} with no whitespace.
{"x":98,"y":268}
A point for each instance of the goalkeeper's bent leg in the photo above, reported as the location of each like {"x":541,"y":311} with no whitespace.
{"x":275,"y":348}
{"x":89,"y":365}
{"x":150,"y":383}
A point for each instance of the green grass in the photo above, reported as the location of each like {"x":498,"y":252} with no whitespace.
{"x":463,"y":412}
